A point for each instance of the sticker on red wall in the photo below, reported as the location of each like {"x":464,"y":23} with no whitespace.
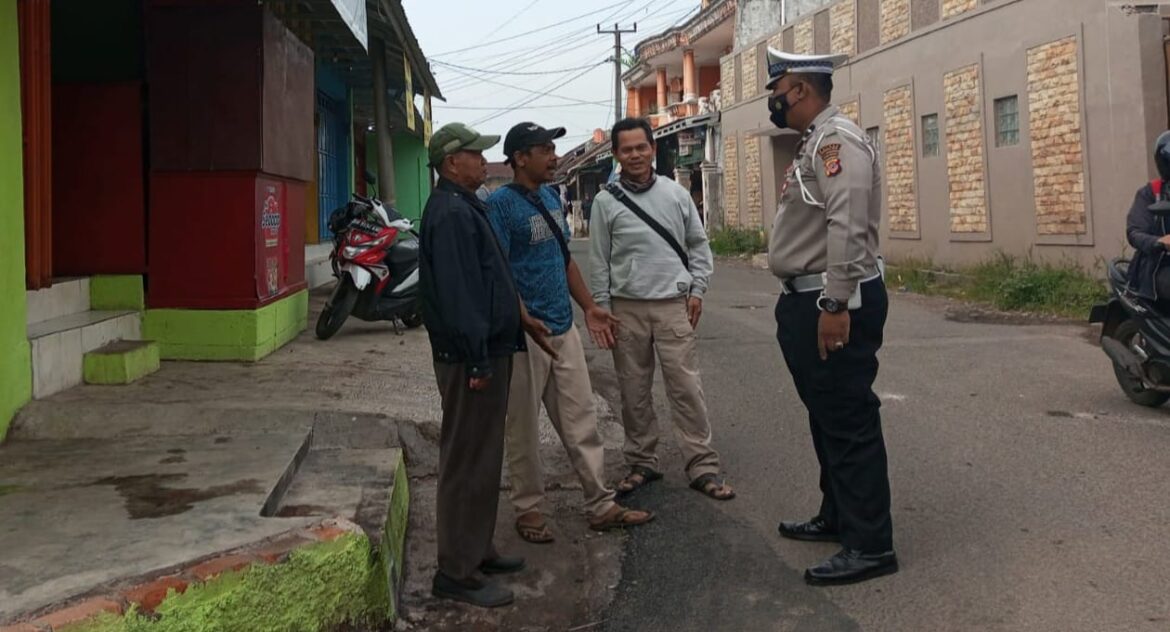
{"x":272,"y":265}
{"x":270,"y":217}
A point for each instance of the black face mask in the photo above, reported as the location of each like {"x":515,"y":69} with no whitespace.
{"x":779,"y":107}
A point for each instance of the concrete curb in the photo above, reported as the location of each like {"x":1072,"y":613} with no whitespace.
{"x":325,"y":575}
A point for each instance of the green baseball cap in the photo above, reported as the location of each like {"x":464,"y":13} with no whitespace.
{"x":454,"y":137}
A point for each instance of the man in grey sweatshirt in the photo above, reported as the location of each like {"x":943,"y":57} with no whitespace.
{"x":650,"y":265}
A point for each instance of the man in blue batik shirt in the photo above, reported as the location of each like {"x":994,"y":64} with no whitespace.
{"x":531,"y":228}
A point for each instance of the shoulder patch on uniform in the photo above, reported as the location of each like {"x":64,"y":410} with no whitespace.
{"x":831,"y":155}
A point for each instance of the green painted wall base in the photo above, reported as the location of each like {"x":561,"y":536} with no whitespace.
{"x":116,"y":293}
{"x":15,"y":381}
{"x":240,"y":335}
{"x":121,"y":362}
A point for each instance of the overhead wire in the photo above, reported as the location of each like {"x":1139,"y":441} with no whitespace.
{"x":522,"y":104}
{"x":519,"y":35}
{"x":564,"y":46}
{"x":486,"y":71}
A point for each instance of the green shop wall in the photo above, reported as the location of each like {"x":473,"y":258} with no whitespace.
{"x":15,"y":365}
{"x":412,"y":178}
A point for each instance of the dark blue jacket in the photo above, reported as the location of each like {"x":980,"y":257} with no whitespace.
{"x":469,"y":302}
{"x":1143,"y":230}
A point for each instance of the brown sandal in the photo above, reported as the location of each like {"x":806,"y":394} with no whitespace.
{"x":713,"y":486}
{"x":534,"y":533}
{"x":638,"y":477}
{"x":619,"y":518}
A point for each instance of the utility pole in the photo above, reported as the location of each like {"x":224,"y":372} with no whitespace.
{"x":617,"y":66}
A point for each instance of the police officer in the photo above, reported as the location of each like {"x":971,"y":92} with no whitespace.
{"x":832,"y":309}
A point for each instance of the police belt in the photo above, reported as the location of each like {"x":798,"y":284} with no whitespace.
{"x":816,"y":282}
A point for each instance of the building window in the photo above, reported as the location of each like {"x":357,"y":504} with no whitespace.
{"x":1007,"y":121}
{"x":875,"y":137}
{"x":930,"y":135}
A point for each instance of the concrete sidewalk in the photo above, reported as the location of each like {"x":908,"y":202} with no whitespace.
{"x":106,"y":490}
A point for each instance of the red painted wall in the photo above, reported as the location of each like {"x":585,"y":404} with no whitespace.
{"x":99,"y":198}
{"x":649,"y":99}
{"x":708,"y":80}
{"x":210,"y":240}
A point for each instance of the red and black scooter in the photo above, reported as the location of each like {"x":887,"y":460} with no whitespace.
{"x":375,"y":260}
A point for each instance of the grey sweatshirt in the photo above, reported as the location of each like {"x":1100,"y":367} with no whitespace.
{"x":629,"y":260}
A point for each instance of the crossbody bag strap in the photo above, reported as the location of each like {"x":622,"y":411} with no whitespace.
{"x":621,"y":196}
{"x":534,"y":200}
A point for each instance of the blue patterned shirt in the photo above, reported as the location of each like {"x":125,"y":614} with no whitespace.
{"x":538,"y":266}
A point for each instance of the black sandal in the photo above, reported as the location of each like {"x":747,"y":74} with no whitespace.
{"x":646,"y":474}
{"x":710,"y":485}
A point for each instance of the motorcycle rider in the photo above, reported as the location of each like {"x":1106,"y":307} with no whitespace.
{"x":1149,"y":276}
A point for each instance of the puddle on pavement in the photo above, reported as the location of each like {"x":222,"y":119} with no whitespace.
{"x":148,"y":496}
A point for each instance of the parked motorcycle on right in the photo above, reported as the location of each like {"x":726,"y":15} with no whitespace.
{"x":1135,"y":334}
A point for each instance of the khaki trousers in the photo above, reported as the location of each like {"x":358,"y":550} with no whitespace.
{"x":662,"y":326}
{"x":563,"y":386}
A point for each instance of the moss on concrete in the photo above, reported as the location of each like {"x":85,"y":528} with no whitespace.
{"x":320,"y":587}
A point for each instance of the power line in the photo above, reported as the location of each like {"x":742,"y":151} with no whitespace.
{"x":565,"y":46}
{"x":509,"y":20}
{"x":530,"y":100}
{"x":519,"y":35}
{"x":604,"y":104}
{"x":507,"y":85}
{"x":508,"y":72}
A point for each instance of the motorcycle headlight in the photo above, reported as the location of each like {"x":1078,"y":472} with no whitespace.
{"x":352,"y":251}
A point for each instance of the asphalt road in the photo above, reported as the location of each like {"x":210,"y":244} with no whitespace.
{"x":1029,"y":494}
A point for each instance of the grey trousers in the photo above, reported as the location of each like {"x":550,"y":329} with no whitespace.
{"x":471,"y":457}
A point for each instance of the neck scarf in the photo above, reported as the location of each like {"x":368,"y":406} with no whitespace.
{"x":638,"y":187}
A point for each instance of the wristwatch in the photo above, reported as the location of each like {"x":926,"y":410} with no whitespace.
{"x":830,"y":305}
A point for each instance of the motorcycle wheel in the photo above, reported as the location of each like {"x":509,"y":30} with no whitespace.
{"x":337,"y":309}
{"x":1133,"y":387}
{"x":413,"y":320}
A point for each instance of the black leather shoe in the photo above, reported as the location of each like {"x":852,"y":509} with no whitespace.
{"x":815,"y":530}
{"x":850,"y":566}
{"x":502,"y":565}
{"x":472,"y":591}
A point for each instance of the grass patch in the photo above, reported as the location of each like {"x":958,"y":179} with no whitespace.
{"x":1008,"y":283}
{"x":737,"y":241}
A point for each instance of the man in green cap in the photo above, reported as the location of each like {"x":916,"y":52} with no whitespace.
{"x":475,"y":322}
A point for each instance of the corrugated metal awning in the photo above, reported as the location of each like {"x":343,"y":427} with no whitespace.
{"x":353,"y":13}
{"x":687,"y":123}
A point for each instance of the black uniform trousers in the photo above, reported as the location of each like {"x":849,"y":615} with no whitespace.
{"x":471,"y":457}
{"x":843,"y":414}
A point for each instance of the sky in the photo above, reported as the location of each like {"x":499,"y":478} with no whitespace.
{"x":569,"y":82}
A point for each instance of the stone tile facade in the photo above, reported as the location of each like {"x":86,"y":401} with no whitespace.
{"x":753,"y":182}
{"x":749,"y":82}
{"x":895,"y":19}
{"x":965,"y":150}
{"x":852,"y":111}
{"x":1054,"y":120}
{"x":843,"y":26}
{"x":803,"y":42}
{"x":777,"y":40}
{"x":730,"y":181}
{"x":951,"y":8}
{"x":727,"y":81}
{"x":900,"y":160}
